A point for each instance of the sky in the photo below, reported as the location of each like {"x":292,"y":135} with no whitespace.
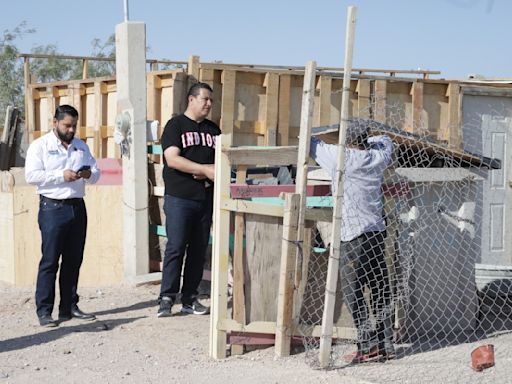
{"x":457,"y":37}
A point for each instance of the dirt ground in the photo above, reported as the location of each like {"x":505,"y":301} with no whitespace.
{"x":129,"y":344}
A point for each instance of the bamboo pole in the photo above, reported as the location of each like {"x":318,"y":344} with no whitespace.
{"x":333,"y":266}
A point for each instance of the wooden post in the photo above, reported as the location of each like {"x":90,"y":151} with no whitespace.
{"x":454,"y":117}
{"x":220,"y":256}
{"x":85,"y":68}
{"x":306,"y":121}
{"x":286,"y":275}
{"x":380,"y":101}
{"x":98,"y":121}
{"x":363,"y":98}
{"x":283,"y":125}
{"x":333,"y":266}
{"x":417,"y":106}
{"x":238,"y":265}
{"x":324,"y":115}
{"x":29,"y":101}
{"x":271,"y":107}
{"x":228,"y":80}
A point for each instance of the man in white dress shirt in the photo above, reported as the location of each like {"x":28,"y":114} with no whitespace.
{"x":60,"y":166}
{"x":363,"y":231}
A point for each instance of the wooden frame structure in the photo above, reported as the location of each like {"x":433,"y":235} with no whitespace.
{"x":222,"y":324}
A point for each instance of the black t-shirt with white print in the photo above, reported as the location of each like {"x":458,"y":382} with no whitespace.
{"x":196,"y":142}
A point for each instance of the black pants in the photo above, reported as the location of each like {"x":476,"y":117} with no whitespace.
{"x":63,"y":226}
{"x":362,"y":264}
{"x":188,"y":225}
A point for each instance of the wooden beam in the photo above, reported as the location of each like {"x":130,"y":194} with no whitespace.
{"x":193,"y":67}
{"x":238,"y":265}
{"x":289,"y":247}
{"x":454,"y":116}
{"x":262,"y":155}
{"x":363,"y":98}
{"x":30,"y":123}
{"x":269,"y":327}
{"x":271,"y":108}
{"x":306,"y":122}
{"x":417,"y":108}
{"x":98,"y":121}
{"x":228,"y":80}
{"x":244,"y":191}
{"x":380,"y":101}
{"x":333,"y":264}
{"x":244,"y":206}
{"x":85,"y":68}
{"x":220,"y":249}
{"x":325,"y":85}
{"x":283,"y":130}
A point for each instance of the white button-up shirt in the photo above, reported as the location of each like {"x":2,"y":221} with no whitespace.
{"x":363,"y":177}
{"x":47,"y":159}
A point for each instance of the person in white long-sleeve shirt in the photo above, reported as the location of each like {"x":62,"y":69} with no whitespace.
{"x":60,"y":166}
{"x":363,"y":231}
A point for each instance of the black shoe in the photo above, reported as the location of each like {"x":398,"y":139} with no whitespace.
{"x":196,"y":308}
{"x":47,"y":321}
{"x":76,"y":313}
{"x":165,"y":307}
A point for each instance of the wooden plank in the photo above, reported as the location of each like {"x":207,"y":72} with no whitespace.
{"x":51,"y":105}
{"x":238,"y":265}
{"x":30,"y":122}
{"x":244,"y":191}
{"x":325,"y":85}
{"x":271,"y":108}
{"x":363,"y":98}
{"x":269,"y":327}
{"x":306,"y":122}
{"x":153,"y":106}
{"x":380,"y":101}
{"x":220,"y":249}
{"x":262,"y":155}
{"x":193,"y":67}
{"x":283,"y":130}
{"x":98,"y":121}
{"x":454,"y":116}
{"x":228,"y":80}
{"x":244,"y":206}
{"x":333,"y":266}
{"x":417,"y":123}
{"x":292,"y":206}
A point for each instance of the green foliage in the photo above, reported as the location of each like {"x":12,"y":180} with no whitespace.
{"x":105,"y":49}
{"x":11,"y":69}
{"x":53,"y":69}
{"x":44,"y":70}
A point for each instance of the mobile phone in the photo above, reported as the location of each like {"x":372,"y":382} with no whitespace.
{"x":84,"y":168}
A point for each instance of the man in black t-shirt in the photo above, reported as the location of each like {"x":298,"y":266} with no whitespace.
{"x":188,"y":143}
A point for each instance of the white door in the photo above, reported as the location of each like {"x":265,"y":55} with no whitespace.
{"x":487,"y":131}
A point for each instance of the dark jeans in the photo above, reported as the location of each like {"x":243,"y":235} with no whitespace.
{"x":188,"y":225}
{"x":63,"y":227}
{"x":362,"y":263}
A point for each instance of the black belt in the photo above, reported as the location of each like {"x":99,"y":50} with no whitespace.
{"x":73,"y":201}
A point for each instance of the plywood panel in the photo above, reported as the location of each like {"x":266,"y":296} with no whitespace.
{"x":7,"y":237}
{"x":27,"y":237}
{"x":103,"y":263}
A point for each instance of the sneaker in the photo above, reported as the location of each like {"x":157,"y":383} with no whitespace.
{"x":196,"y":308}
{"x":165,"y":307}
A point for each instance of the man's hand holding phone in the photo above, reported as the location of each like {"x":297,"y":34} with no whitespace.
{"x":84,"y":171}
